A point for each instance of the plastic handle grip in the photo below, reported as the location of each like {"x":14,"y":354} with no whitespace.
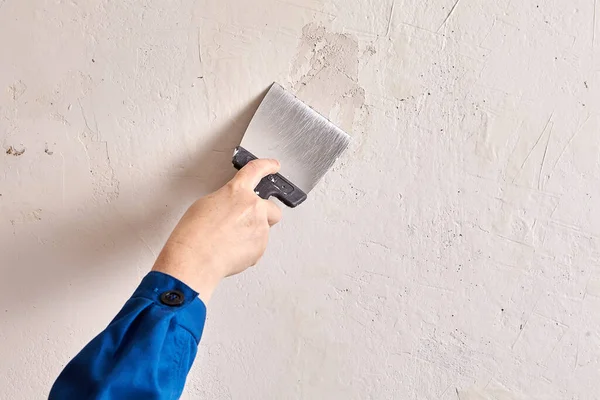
{"x":275,"y":185}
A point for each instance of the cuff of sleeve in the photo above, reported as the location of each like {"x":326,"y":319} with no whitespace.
{"x":191,"y":313}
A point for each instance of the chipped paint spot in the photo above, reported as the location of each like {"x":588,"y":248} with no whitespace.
{"x":17,"y":89}
{"x":15,"y":152}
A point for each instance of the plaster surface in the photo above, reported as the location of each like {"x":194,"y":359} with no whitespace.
{"x":452,"y":253}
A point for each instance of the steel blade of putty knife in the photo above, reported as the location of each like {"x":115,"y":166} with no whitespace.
{"x":306,"y":143}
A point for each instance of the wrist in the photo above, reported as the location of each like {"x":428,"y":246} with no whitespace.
{"x":198,"y":272}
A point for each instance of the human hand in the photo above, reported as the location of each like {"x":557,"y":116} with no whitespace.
{"x":223,"y":233}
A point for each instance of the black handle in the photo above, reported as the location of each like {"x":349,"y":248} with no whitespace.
{"x":275,"y":185}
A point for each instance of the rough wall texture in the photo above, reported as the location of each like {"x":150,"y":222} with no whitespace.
{"x":452,"y":253}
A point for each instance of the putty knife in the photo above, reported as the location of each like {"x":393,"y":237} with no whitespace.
{"x":306,"y":144}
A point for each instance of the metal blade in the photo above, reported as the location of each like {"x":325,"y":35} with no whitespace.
{"x":306,"y":143}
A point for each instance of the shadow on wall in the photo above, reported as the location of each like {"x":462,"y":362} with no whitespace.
{"x":68,"y":255}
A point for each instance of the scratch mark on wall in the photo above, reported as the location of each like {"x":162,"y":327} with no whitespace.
{"x":85,"y":149}
{"x":444,"y":391}
{"x":357,"y":321}
{"x":443,"y":289}
{"x":449,"y":15}
{"x":359,"y":280}
{"x":87,"y":125}
{"x":524,"y":324}
{"x":198,"y":45}
{"x":543,"y":161}
{"x":574,"y":228}
{"x":375,"y":243}
{"x":577,"y":353}
{"x":482,"y":41}
{"x":379,"y":274}
{"x":579,"y":129}
{"x":533,"y":147}
{"x":587,"y":284}
{"x":554,"y":321}
{"x":390,"y":19}
{"x":519,"y":335}
{"x":513,"y":240}
{"x":419,"y":28}
{"x":415,"y":357}
{"x":554,"y":348}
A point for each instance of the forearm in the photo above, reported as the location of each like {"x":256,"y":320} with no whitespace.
{"x":148,"y":349}
{"x":197,"y":271}
{"x":145,"y":352}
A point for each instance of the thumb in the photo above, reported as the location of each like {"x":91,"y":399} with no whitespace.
{"x":254,"y":171}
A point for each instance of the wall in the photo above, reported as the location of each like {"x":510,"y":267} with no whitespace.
{"x":452,"y":253}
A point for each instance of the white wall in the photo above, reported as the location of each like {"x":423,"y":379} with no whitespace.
{"x":453,"y":252}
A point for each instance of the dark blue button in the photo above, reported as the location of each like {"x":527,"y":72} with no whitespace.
{"x":172,"y":298}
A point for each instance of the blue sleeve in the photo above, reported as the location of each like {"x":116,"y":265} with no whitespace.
{"x":145,"y":352}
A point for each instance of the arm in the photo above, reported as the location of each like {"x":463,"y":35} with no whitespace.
{"x":149,"y":347}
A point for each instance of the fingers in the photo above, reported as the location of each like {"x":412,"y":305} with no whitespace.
{"x":254,"y":171}
{"x":273,"y":213}
{"x":249,"y":177}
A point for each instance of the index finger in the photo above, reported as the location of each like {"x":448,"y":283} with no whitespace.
{"x":251,"y":174}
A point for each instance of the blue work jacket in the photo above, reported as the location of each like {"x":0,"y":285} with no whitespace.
{"x":146,"y":352}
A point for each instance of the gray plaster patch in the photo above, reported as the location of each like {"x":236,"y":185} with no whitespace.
{"x":325,"y":74}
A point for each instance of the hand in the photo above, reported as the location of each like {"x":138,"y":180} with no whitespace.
{"x":221,"y":234}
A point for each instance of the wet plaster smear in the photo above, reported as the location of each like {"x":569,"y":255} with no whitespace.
{"x":452,"y":253}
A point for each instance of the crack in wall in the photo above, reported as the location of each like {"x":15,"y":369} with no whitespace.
{"x":105,"y":182}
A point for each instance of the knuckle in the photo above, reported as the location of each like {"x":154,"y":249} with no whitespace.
{"x":253,"y":165}
{"x":232,"y":186}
